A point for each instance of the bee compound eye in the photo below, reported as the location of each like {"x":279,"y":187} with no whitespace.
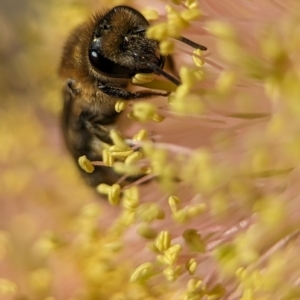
{"x":107,"y":67}
{"x":94,"y":54}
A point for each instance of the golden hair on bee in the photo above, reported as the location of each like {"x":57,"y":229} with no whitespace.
{"x":74,"y":63}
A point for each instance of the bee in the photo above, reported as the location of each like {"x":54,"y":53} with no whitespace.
{"x":99,"y":59}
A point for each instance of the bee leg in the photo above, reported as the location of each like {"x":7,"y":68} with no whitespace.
{"x":121,"y":93}
{"x":95,"y":125}
{"x":101,"y":132}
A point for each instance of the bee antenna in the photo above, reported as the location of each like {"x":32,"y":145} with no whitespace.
{"x":160,"y":71}
{"x":191,"y":43}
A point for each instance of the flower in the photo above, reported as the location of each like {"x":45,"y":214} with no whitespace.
{"x":221,"y":220}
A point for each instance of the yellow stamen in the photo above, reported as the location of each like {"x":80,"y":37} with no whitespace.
{"x":163,"y":241}
{"x":131,"y":198}
{"x":225,"y":82}
{"x":141,"y":135}
{"x":198,"y":61}
{"x":222,"y":30}
{"x":145,"y":111}
{"x":166,"y":47}
{"x":143,"y":272}
{"x":191,"y":266}
{"x":174,"y":202}
{"x":118,"y":140}
{"x":133,"y":158}
{"x":150,"y":212}
{"x":121,"y":154}
{"x":113,"y":192}
{"x":158,"y":32}
{"x":120,"y":105}
{"x":181,"y":215}
{"x":146,"y":231}
{"x":175,"y":19}
{"x":107,"y":157}
{"x":150,"y":14}
{"x":194,"y":285}
{"x":85,"y":164}
{"x":172,"y":273}
{"x":191,"y":14}
{"x":191,"y":4}
{"x":196,"y":210}
{"x":172,"y":253}
{"x":142,"y":78}
{"x":131,"y":170}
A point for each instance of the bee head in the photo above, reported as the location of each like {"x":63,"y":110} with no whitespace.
{"x":113,"y":46}
{"x":119,"y":47}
